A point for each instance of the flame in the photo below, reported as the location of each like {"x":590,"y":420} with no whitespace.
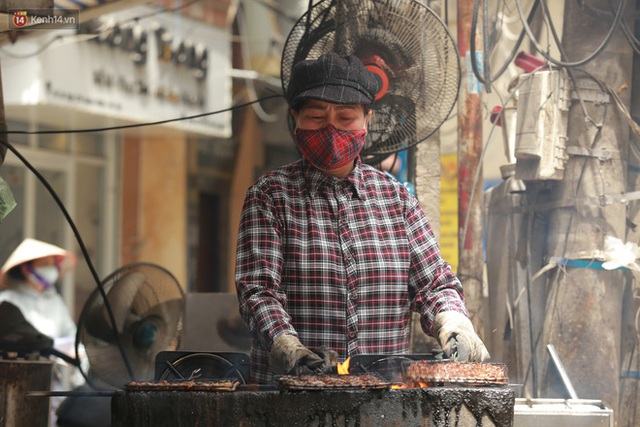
{"x":343,"y":368}
{"x":419,"y":384}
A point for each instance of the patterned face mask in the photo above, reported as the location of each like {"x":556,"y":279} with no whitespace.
{"x":329,"y":148}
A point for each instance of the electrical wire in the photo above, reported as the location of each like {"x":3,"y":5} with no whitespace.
{"x":601,"y":14}
{"x":512,"y":55}
{"x":583,"y":61}
{"x":563,"y":54}
{"x":135,"y":125}
{"x":37,"y":52}
{"x":85,"y":254}
{"x":485,"y":44}
{"x":532,"y":368}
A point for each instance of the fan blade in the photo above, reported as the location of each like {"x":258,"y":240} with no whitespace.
{"x":170,"y":311}
{"x":167,"y":318}
{"x":107,"y":364}
{"x":122,"y":294}
{"x":97,"y":323}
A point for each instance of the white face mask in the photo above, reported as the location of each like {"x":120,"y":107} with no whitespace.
{"x":45,"y":275}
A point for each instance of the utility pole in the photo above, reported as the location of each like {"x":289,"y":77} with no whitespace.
{"x":471,"y":263}
{"x":584,"y":305}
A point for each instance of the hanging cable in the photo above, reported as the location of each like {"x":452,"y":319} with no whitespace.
{"x":83,"y":248}
{"x":603,"y":14}
{"x":486,"y":68}
{"x":512,"y":55}
{"x":563,"y":55}
{"x":583,"y":61}
{"x":36,"y":52}
{"x":135,"y":125}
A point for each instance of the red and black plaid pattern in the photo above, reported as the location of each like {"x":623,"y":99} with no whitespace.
{"x":340,"y":263}
{"x":330,"y":148}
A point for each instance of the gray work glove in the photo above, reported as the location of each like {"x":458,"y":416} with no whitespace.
{"x":330,"y":358}
{"x":289,"y":356}
{"x":458,"y":339}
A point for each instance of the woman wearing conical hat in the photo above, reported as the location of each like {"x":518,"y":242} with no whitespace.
{"x":27,"y":281}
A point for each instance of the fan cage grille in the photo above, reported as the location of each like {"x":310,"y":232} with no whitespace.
{"x":420,"y":55}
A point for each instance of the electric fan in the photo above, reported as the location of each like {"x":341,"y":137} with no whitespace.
{"x":147,"y":304}
{"x":406,"y":46}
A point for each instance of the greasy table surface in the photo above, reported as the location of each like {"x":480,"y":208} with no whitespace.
{"x":429,"y":407}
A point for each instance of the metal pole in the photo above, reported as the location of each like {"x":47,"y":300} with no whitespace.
{"x":471,"y":264}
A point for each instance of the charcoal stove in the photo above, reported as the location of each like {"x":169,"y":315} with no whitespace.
{"x":180,"y":404}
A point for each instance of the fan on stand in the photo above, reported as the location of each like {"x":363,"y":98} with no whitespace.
{"x":147,"y":304}
{"x":406,"y":46}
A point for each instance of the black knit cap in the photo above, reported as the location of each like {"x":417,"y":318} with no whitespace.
{"x":331,"y":78}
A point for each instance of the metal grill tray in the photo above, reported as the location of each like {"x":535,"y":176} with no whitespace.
{"x":458,"y":373}
{"x":333,"y":382}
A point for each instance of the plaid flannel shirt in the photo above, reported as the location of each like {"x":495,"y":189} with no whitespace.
{"x":338,"y":262}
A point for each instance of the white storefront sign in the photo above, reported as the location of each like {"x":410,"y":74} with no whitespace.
{"x":161,"y":67}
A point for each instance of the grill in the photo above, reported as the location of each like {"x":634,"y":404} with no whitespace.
{"x":333,"y":382}
{"x":368,"y":396}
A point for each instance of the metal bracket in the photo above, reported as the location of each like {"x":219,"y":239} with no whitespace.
{"x":602,"y":154}
{"x":609,"y":199}
{"x":591,"y":94}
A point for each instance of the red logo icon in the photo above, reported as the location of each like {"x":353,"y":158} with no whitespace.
{"x":19,"y":18}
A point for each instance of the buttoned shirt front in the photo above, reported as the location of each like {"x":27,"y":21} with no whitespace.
{"x":338,"y":262}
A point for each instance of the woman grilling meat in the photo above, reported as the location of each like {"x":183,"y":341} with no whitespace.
{"x":333,"y":255}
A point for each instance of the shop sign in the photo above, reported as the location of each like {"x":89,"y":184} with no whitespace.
{"x":160,"y":67}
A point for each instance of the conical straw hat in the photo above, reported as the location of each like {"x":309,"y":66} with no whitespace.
{"x":31,"y":249}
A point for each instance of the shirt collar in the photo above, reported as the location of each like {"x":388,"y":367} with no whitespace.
{"x":316,"y":179}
